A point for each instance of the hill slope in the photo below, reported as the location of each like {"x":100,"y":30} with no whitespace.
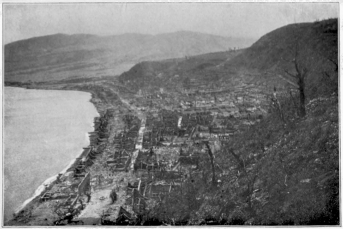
{"x":317,"y":47}
{"x":173,"y":72}
{"x":315,"y":39}
{"x":61,"y":56}
{"x":264,"y":63}
{"x":282,"y":170}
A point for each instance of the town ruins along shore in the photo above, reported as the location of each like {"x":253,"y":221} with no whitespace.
{"x":139,"y":154}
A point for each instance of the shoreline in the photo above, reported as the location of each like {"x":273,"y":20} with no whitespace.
{"x":46,"y":185}
{"x":49,"y":182}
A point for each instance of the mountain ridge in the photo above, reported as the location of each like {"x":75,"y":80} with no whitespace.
{"x":93,"y":55}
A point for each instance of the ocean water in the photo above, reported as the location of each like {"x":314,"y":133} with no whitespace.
{"x":44,"y":131}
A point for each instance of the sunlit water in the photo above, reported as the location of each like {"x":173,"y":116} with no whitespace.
{"x":43,"y":132}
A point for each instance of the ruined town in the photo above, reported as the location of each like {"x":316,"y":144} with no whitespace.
{"x":232,"y":137}
{"x":143,"y":149}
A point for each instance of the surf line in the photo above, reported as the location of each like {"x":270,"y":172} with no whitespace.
{"x":48,"y":183}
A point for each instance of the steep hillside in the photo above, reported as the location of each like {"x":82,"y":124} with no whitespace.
{"x":317,"y":47}
{"x":315,"y":39}
{"x":61,"y":56}
{"x":280,"y":170}
{"x":264,"y":63}
{"x":273,"y":173}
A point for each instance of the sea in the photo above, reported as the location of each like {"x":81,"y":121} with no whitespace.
{"x":44,"y":130}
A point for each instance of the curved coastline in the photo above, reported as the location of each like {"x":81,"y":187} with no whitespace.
{"x":49,"y":182}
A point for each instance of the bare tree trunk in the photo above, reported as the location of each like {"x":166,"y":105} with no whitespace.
{"x":302,"y":110}
{"x":300,"y":75}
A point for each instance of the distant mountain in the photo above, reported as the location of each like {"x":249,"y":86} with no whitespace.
{"x":61,"y":56}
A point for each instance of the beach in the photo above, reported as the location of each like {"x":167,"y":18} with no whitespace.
{"x":44,"y":130}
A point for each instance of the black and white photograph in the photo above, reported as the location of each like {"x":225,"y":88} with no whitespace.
{"x":178,"y":113}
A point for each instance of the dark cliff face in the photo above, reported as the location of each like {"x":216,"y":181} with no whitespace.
{"x":62,"y":56}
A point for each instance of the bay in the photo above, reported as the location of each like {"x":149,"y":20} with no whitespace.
{"x":44,"y":130}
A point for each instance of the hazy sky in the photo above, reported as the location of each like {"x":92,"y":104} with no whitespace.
{"x":23,"y":21}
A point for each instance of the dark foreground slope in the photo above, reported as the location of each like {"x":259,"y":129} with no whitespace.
{"x":61,"y":56}
{"x":273,"y":173}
